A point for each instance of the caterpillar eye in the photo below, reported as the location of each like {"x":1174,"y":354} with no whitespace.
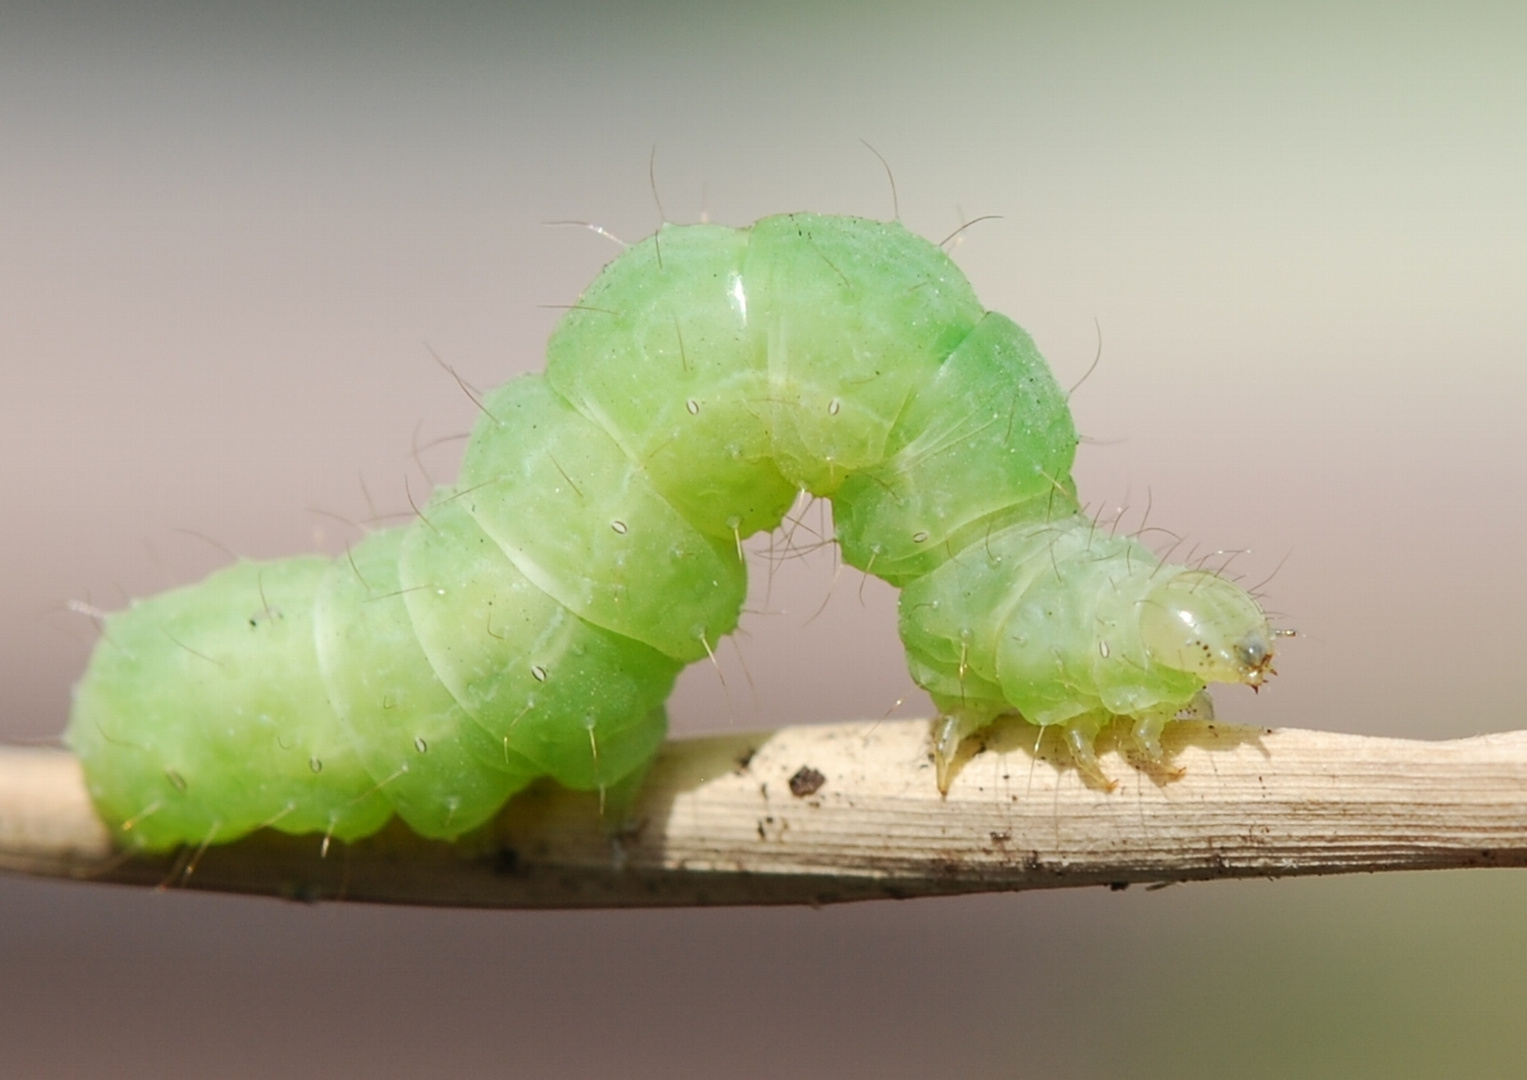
{"x":1252,"y":652}
{"x":1255,"y":655}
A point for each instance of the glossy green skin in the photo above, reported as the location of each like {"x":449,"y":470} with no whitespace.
{"x":532,"y":622}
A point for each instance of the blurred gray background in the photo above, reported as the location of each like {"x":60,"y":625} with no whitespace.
{"x":230,"y":234}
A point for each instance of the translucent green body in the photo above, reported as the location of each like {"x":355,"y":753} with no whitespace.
{"x":533,"y":620}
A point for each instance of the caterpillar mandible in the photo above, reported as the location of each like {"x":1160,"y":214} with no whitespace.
{"x":533,"y":618}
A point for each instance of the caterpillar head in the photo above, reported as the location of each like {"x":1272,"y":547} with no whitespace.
{"x":1199,"y":622}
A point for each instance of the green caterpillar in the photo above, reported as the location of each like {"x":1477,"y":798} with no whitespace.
{"x":531,"y":621}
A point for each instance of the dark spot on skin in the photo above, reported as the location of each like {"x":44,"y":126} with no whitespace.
{"x":746,"y":759}
{"x":806,"y":781}
{"x":506,"y":862}
{"x":304,"y":892}
{"x":631,"y":831}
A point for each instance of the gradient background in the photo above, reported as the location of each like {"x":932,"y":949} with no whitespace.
{"x":227,"y":233}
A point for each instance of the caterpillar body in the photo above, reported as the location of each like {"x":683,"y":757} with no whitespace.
{"x":531,"y":621}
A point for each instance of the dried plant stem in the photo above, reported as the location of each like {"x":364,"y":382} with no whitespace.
{"x":720,"y":821}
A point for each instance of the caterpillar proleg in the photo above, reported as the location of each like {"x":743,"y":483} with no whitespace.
{"x":532,"y":620}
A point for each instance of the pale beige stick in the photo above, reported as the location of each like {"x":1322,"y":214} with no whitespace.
{"x":816,"y":815}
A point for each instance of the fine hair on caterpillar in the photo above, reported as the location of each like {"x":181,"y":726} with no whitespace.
{"x":531,"y":619}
